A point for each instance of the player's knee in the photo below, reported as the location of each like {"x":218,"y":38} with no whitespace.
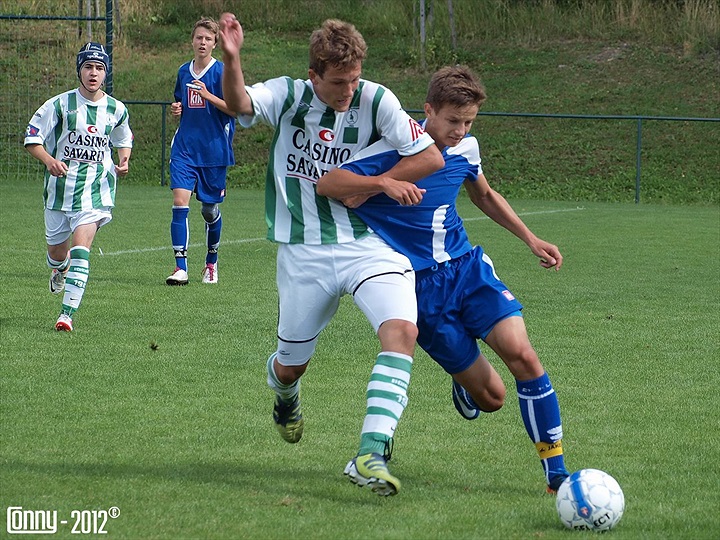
{"x":210,"y":212}
{"x":497,"y":397}
{"x":398,"y":335}
{"x":524,"y":363}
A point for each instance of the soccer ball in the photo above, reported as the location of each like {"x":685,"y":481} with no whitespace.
{"x":590,"y":500}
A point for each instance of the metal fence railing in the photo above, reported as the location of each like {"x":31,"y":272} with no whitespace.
{"x":638,"y":119}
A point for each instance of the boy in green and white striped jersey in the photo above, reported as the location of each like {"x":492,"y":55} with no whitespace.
{"x":324,"y":250}
{"x":71,"y":134}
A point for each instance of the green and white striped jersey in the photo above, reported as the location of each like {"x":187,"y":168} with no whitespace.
{"x":311,"y":139}
{"x":80,"y":133}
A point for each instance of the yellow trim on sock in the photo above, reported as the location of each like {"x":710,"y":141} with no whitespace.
{"x":547,"y":450}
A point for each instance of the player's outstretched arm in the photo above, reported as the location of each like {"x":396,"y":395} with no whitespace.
{"x":231,"y":41}
{"x":499,"y":210}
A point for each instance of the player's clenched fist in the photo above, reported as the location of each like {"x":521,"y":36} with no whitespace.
{"x":406,"y":193}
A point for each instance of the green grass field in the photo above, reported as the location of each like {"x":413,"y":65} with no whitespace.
{"x":180,"y":438}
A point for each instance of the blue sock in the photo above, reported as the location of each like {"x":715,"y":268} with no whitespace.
{"x":180,"y":234}
{"x":212,"y":235}
{"x":541,"y":415}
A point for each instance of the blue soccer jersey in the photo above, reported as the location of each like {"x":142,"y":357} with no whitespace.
{"x":431,"y":232}
{"x":464,"y":298}
{"x":204,"y":136}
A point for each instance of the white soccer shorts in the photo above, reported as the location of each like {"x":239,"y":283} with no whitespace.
{"x":311,"y":279}
{"x":60,"y":225}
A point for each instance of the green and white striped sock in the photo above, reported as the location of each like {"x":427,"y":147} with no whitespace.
{"x":287,"y":392}
{"x":76,"y":279}
{"x":58,"y":265}
{"x":386,"y":400}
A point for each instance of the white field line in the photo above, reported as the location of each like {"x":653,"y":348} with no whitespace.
{"x":522,"y":214}
{"x":169,"y":248}
{"x":248,"y":240}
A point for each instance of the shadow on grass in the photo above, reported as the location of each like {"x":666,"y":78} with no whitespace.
{"x":269,"y":480}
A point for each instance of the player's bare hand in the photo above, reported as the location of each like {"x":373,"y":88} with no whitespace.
{"x":548,"y":253}
{"x":406,"y":193}
{"x":123,"y":167}
{"x":356,"y":200}
{"x":203,"y":91}
{"x":57,"y":168}
{"x":176,"y":108}
{"x":231,"y":34}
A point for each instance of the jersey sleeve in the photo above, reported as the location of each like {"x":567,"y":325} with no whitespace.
{"x":121,"y":136}
{"x":397,"y":127}
{"x":43,"y":122}
{"x":267,"y":98}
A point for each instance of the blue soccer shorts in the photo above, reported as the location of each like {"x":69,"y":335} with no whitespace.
{"x":208,"y":183}
{"x":459,"y":302}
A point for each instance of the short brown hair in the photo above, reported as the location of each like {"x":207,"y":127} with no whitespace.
{"x":209,"y":24}
{"x":455,"y":85}
{"x":338,"y":44}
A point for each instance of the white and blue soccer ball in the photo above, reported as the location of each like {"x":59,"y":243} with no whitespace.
{"x":591,"y":500}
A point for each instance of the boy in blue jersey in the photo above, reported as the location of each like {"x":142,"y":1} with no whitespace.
{"x":201,"y":150}
{"x":460,"y":297}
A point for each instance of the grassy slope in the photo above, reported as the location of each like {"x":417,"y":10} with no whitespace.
{"x":529,"y":63}
{"x":539,"y":158}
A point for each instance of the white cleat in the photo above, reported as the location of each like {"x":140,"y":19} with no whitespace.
{"x":64,"y":323}
{"x":57,"y":281}
{"x":178,"y":277}
{"x":209,"y":273}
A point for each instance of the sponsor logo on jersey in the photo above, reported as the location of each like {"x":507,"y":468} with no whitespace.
{"x":92,"y":129}
{"x":326,"y":135}
{"x":86,"y":148}
{"x":352,"y":117}
{"x":195,"y":100}
{"x":507,"y":294}
{"x":31,"y":131}
{"x":315,"y":158}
